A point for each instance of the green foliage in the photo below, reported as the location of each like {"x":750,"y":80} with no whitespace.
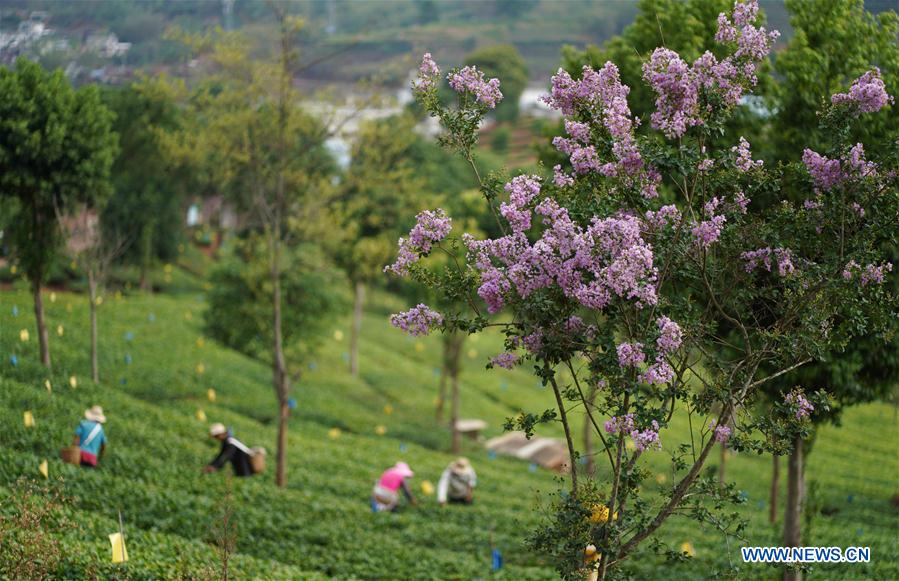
{"x":504,"y":62}
{"x":240,"y":313}
{"x":56,"y":149}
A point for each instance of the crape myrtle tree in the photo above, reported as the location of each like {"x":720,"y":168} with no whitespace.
{"x":505,"y":62}
{"x":56,"y":149}
{"x":643,"y":274}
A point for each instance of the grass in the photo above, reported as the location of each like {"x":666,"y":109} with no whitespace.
{"x":321,"y":525}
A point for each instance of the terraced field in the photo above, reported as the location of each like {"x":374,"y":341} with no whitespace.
{"x":157,"y":369}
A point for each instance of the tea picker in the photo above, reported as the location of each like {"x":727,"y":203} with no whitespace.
{"x":385,"y":494}
{"x":89,"y":442}
{"x":244,"y":460}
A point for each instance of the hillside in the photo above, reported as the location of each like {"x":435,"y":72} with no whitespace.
{"x":321,"y":525}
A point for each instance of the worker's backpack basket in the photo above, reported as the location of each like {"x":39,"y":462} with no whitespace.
{"x":257,"y":459}
{"x":71,"y":455}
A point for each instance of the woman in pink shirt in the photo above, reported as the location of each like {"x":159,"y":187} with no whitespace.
{"x":384,"y":496}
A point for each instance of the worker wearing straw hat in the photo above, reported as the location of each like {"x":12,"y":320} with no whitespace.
{"x":90,"y":437}
{"x":233,"y":450}
{"x":457,"y":483}
{"x":385,"y":494}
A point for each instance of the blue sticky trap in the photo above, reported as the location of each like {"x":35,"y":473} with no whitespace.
{"x":491,"y":454}
{"x":504,"y":385}
{"x":436,"y":372}
{"x":123,"y":381}
{"x":13,"y":360}
{"x":129,"y":336}
{"x":532,"y":467}
{"x":15,"y":311}
{"x":760,"y":504}
{"x":743,"y":495}
{"x":859,"y":532}
{"x":582,"y":460}
{"x":151,"y":317}
{"x":496,"y":560}
{"x":313,"y":366}
{"x":345,"y":356}
{"x":292,"y":403}
{"x":850,"y":498}
{"x":403,"y":447}
{"x":128,"y":359}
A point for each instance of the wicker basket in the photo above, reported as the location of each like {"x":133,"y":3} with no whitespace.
{"x":71,"y":455}
{"x":257,"y":460}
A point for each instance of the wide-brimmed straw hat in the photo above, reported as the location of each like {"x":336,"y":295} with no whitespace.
{"x":95,"y":414}
{"x":217,"y":430}
{"x":403,"y":470}
{"x":460,"y":464}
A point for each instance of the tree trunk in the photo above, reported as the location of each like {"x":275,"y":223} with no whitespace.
{"x":457,"y":436}
{"x":775,"y":488}
{"x":452,"y":364}
{"x":281,"y":457}
{"x":722,"y":467}
{"x":146,"y":256}
{"x":279,"y":365}
{"x":590,"y":468}
{"x":357,"y":328}
{"x":793,"y":511}
{"x":92,"y":297}
{"x":42,"y":336}
{"x":444,"y":373}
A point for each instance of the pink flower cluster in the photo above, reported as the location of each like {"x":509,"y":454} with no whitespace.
{"x":664,"y":216}
{"x":871,"y":273}
{"x":431,"y":227}
{"x":669,"y":339}
{"x":670,"y":335}
{"x":804,"y":408}
{"x":591,"y":265}
{"x":600,"y":97}
{"x":722,"y":434}
{"x":643,"y":440}
{"x":630,"y":354}
{"x":419,"y":320}
{"x":471,"y":80}
{"x":783,"y":256}
{"x":868,"y":93}
{"x":522,"y":190}
{"x":680,"y":87}
{"x":744,"y":160}
{"x":505,"y":360}
{"x":827,"y":173}
{"x":428,"y":71}
{"x":708,"y":231}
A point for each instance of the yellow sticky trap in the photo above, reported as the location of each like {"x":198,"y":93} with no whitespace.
{"x":201,"y":369}
{"x":168,"y":269}
{"x":167,"y":277}
{"x":338,"y":335}
{"x":687,"y":547}
{"x":334,"y":433}
{"x":200,"y":342}
{"x":48,"y":385}
{"x":118,"y":295}
{"x":201,"y":415}
{"x":661,"y":478}
{"x":119,"y":551}
{"x":380,"y":430}
{"x":68,"y":307}
{"x":60,"y":331}
{"x":600,"y":514}
{"x":388,"y":409}
{"x":427,"y":488}
{"x":630,"y":446}
{"x":52,"y":297}
{"x":24,"y":335}
{"x":419,"y":346}
{"x":13,"y":269}
{"x":73,"y":265}
{"x":210,"y":394}
{"x":472,"y":353}
{"x":99,"y":301}
{"x":28,"y":417}
{"x":44,"y":469}
{"x":187,"y":315}
{"x":73,"y":382}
